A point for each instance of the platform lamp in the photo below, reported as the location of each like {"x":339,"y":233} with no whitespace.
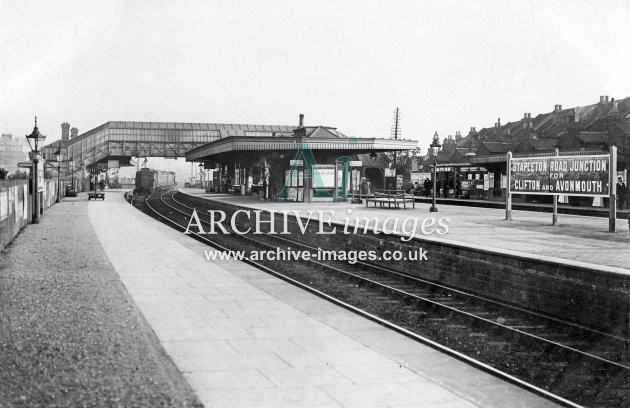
{"x":71,"y":169}
{"x":59,"y":158}
{"x":435,"y":148}
{"x":37,"y":138}
{"x":201,"y":174}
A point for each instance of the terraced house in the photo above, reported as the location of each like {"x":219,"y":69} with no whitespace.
{"x":475,"y":165}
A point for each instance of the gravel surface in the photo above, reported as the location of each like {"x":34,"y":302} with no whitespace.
{"x":70,"y":335}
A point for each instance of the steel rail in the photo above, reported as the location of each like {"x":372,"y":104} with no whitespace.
{"x":477,"y":297}
{"x":399,"y":329}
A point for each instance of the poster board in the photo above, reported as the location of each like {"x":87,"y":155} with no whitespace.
{"x":4,"y":204}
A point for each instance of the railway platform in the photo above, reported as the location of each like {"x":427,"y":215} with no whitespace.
{"x":70,"y":334}
{"x":563,"y":208}
{"x":243,"y":338}
{"x":580,"y":240}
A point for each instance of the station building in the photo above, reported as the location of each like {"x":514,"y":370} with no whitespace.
{"x":239,"y":155}
{"x":12,"y":151}
{"x":474,"y":166}
{"x":307,"y":163}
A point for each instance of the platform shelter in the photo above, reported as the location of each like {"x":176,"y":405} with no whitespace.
{"x":312,"y":162}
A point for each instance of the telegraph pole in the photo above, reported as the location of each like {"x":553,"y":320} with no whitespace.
{"x":396,"y":128}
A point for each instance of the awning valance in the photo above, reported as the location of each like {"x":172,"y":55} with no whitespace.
{"x":274,"y":144}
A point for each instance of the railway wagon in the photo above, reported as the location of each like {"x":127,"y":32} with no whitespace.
{"x":148,"y":179}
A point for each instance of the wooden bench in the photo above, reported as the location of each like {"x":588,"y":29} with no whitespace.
{"x":390,"y":197}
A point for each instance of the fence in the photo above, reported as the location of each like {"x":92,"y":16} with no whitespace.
{"x":15,"y":206}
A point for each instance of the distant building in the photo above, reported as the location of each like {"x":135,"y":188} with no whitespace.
{"x":12,"y":151}
{"x":477,"y":162}
{"x":50,"y":151}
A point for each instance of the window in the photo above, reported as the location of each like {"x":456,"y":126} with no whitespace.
{"x":258,"y":133}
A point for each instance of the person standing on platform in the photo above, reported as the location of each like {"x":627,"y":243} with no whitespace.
{"x":445,"y":186}
{"x":364,"y":187}
{"x":622,"y":192}
{"x":263,"y":193}
{"x":427,"y":187}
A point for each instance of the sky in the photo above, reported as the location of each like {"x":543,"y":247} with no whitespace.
{"x":448,"y":65}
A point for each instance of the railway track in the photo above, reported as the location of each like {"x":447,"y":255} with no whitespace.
{"x":567,"y":363}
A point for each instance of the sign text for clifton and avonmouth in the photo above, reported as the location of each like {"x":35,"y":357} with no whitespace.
{"x":574,"y":175}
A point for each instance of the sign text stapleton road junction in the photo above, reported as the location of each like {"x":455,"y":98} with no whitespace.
{"x":574,"y":175}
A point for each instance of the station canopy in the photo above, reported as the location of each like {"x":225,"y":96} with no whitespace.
{"x":318,"y":139}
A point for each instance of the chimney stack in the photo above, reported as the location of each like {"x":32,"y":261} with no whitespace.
{"x":557,"y":108}
{"x":74,"y":132}
{"x":458,"y":136}
{"x":301,"y":120}
{"x":473,"y":133}
{"x":603,"y":99}
{"x":65,"y":131}
{"x":498,"y":121}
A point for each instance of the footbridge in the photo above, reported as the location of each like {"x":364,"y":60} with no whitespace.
{"x":120,"y":140}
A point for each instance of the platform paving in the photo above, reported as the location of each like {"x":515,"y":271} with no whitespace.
{"x":70,"y":334}
{"x":576,"y":239}
{"x":243,"y":338}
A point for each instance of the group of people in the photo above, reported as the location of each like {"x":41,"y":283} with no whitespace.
{"x":100,"y":184}
{"x":443,"y":187}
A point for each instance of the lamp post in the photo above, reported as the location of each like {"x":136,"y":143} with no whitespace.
{"x":59,"y":158}
{"x":72,"y":171}
{"x":37,"y":138}
{"x":201,"y":174}
{"x":435,"y":148}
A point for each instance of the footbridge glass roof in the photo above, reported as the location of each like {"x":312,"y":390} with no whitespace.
{"x":123,"y":140}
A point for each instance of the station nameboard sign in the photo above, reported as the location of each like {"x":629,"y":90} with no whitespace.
{"x":112,"y":164}
{"x":571,"y":175}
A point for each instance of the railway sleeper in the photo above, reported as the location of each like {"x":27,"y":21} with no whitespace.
{"x":456,"y":327}
{"x":417,"y":293}
{"x":530,"y":354}
{"x":498,"y":343}
{"x":438,"y":319}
